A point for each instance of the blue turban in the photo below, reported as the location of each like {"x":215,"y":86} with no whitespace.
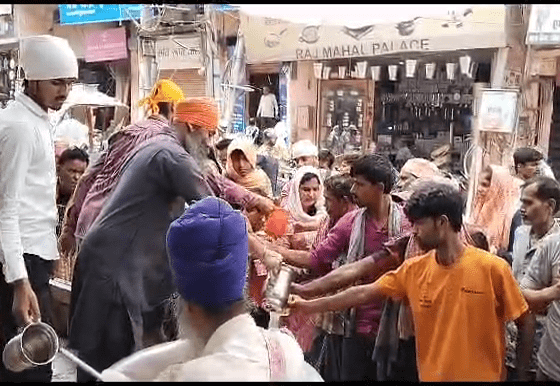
{"x":208,"y":248}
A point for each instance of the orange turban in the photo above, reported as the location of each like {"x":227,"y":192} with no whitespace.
{"x":165,"y":90}
{"x":201,"y":112}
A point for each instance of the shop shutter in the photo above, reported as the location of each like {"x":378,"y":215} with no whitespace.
{"x":191,"y":82}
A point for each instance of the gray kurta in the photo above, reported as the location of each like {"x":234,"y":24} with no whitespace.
{"x":123,"y":261}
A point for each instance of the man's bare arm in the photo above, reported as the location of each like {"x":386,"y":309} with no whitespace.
{"x":365,"y":270}
{"x":526,"y":327}
{"x":341,"y":277}
{"x":352,"y":297}
{"x":300,"y":259}
{"x":539,"y":299}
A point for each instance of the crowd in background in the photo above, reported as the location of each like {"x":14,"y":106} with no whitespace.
{"x":166,"y":241}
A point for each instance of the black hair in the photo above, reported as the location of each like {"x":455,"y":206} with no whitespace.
{"x":73,"y":153}
{"x":526,"y":154}
{"x":326,"y":155}
{"x":376,"y":168}
{"x":308,"y":177}
{"x":340,"y":186}
{"x":434,"y":200}
{"x":547,"y":188}
{"x":223,"y":144}
{"x":165,"y":108}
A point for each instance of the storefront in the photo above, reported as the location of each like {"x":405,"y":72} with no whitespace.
{"x":378,"y":85}
{"x":8,"y":54}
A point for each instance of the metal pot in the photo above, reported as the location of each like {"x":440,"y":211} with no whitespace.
{"x":37,"y":345}
{"x":278,"y":289}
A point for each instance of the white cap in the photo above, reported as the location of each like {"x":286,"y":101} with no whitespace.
{"x":304,"y":148}
{"x":47,"y":57}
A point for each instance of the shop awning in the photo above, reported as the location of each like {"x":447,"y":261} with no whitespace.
{"x":315,"y":32}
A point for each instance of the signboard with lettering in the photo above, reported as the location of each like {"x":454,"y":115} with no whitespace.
{"x":238,"y":119}
{"x":98,"y":13}
{"x":544,"y":24}
{"x":106,"y":45}
{"x":498,"y":110}
{"x":179,"y":52}
{"x":270,"y":40}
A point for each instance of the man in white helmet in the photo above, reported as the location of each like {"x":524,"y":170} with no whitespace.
{"x":28,"y":213}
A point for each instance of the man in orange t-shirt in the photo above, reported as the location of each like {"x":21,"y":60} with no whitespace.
{"x":460,"y":296}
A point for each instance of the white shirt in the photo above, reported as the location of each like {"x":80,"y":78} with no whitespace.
{"x":268,"y":107}
{"x":238,"y":351}
{"x":28,"y":214}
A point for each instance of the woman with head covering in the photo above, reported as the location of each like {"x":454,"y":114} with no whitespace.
{"x":495,"y":205}
{"x":242,"y":167}
{"x":305,"y":204}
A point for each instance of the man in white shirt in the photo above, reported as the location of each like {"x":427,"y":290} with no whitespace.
{"x":28,"y":213}
{"x":218,"y":339}
{"x":268,"y":109}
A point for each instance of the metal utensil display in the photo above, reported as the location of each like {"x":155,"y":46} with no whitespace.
{"x":37,"y":345}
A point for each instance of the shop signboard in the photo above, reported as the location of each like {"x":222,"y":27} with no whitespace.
{"x":238,"y":121}
{"x":498,"y":110}
{"x":178,"y":53}
{"x":272,"y":40}
{"x":544,"y":25}
{"x":106,"y":45}
{"x":98,"y":13}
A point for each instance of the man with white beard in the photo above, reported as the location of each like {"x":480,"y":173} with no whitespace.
{"x":219,"y":340}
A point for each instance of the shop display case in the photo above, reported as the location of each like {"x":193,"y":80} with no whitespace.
{"x":344,"y":116}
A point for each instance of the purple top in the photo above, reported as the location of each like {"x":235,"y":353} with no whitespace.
{"x":336,"y":243}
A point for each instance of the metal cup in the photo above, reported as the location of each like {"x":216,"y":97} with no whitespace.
{"x":279,"y":289}
{"x":36,"y":345}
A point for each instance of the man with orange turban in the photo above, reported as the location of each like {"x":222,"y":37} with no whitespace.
{"x":101,"y":177}
{"x":122,"y":280}
{"x":196,"y":122}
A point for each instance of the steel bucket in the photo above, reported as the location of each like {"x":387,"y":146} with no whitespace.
{"x":36,"y":345}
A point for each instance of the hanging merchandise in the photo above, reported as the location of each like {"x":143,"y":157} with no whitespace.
{"x":318,"y":68}
{"x":451,"y":68}
{"x":430,"y":70}
{"x":410,"y":68}
{"x":375,"y":73}
{"x":326,"y":72}
{"x":465,"y":63}
{"x":342,"y":72}
{"x":361,"y":69}
{"x":393,"y":68}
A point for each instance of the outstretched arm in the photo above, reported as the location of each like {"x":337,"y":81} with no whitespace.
{"x":341,"y":277}
{"x":352,"y":297}
{"x":368,"y":269}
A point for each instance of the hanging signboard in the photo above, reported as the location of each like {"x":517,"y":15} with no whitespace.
{"x":544,"y":24}
{"x":98,"y":13}
{"x":272,"y":40}
{"x":238,"y":119}
{"x":106,"y":45}
{"x":498,"y":110}
{"x":178,"y":53}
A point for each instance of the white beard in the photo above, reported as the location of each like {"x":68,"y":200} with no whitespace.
{"x":185,"y":328}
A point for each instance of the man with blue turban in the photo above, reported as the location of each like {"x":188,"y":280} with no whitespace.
{"x":219,"y":341}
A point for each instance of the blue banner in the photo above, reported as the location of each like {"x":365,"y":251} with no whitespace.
{"x":238,"y":124}
{"x":98,"y":13}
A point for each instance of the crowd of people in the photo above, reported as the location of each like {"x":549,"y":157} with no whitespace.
{"x":165,"y":239}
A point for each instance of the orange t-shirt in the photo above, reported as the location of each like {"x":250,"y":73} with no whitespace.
{"x":459,"y":313}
